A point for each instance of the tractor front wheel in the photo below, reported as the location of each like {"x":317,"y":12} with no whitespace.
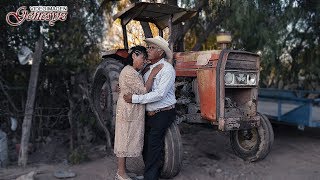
{"x":253,"y":144}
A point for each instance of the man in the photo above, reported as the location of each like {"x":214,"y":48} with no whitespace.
{"x":160,"y":105}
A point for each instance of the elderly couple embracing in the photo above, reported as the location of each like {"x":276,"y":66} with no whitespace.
{"x":145,"y":108}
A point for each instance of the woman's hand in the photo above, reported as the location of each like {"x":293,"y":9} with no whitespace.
{"x":128,"y":97}
{"x":156,"y":70}
{"x":153,"y":74}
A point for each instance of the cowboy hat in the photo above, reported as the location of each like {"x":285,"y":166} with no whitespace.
{"x":162,"y":43}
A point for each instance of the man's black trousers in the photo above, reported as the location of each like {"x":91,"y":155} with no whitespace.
{"x":156,"y":127}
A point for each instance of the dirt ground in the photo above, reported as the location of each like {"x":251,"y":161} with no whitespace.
{"x":207,"y":155}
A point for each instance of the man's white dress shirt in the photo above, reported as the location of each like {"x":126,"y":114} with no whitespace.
{"x":163,"y":89}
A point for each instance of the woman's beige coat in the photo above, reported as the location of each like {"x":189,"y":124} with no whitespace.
{"x":129,"y":129}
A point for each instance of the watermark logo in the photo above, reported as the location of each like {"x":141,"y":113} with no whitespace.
{"x":37,"y":13}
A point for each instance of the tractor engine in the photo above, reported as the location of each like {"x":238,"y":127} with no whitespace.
{"x":218,"y":86}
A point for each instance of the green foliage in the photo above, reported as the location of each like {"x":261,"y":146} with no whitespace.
{"x":78,"y":156}
{"x":286,"y":32}
{"x":71,"y":47}
{"x":73,"y":44}
{"x":87,"y":118}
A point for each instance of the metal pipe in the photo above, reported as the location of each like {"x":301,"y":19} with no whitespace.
{"x":223,"y":39}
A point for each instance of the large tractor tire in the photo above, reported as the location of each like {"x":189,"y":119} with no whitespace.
{"x":105,"y":93}
{"x":253,"y":144}
{"x":172,"y":159}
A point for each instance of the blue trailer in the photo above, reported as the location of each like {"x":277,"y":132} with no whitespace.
{"x":296,"y":107}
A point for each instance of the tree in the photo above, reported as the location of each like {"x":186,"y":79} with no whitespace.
{"x":72,"y":45}
{"x":285,"y":32}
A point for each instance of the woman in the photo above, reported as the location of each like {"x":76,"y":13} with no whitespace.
{"x":129,"y":129}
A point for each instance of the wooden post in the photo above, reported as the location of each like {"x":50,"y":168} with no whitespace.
{"x":125,"y":36}
{"x":146,"y":29}
{"x":160,"y":32}
{"x":32,"y":88}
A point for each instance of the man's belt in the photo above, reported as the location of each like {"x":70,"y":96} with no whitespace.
{"x":152,"y":113}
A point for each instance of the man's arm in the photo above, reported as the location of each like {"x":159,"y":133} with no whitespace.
{"x":166,"y":82}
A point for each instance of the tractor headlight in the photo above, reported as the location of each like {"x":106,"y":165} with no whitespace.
{"x":240,"y":78}
{"x":252,"y":79}
{"x":229,"y":78}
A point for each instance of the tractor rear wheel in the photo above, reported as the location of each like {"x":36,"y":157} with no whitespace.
{"x":104,"y":93}
{"x":253,"y":144}
{"x":172,"y":158}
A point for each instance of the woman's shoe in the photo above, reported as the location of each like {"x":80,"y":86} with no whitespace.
{"x":139,"y":177}
{"x":118,"y":177}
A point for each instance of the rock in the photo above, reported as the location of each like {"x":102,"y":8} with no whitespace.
{"x":64,"y":174}
{"x":219,"y":170}
{"x":139,"y":177}
{"x":29,"y":176}
{"x":48,"y":139}
{"x":312,"y":96}
{"x":102,"y":148}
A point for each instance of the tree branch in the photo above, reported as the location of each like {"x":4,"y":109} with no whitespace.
{"x":210,"y":29}
{"x":8,"y":97}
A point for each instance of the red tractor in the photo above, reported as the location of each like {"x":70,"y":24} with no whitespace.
{"x":219,"y":87}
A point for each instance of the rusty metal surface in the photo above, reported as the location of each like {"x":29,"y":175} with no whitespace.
{"x":239,"y":111}
{"x":207,"y":93}
{"x":246,"y":111}
{"x":240,"y":102}
{"x":236,"y":107}
{"x":236,"y":123}
{"x":192,"y":118}
{"x":186,"y":73}
{"x":242,"y":61}
{"x":220,"y":83}
{"x":193,"y":56}
{"x":236,"y":64}
{"x":123,"y":53}
{"x":186,"y":62}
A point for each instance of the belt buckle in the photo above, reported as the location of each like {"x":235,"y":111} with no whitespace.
{"x":151,"y":113}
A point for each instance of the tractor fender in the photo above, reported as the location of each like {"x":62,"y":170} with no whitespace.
{"x":118,"y":54}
